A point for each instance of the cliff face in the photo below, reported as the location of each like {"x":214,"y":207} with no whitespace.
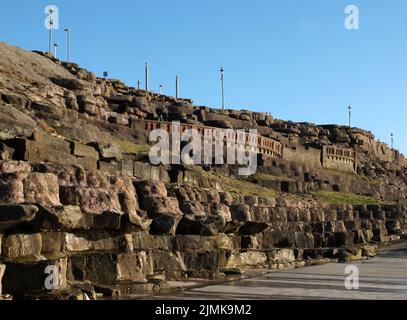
{"x":81,"y":205}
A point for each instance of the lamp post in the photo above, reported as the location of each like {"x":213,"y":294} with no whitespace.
{"x":176,"y":87}
{"x":146,"y":70}
{"x":160,"y":88}
{"x":138,"y":84}
{"x":51,"y":26}
{"x":56,"y":45}
{"x":350,"y":117}
{"x":68,"y":31}
{"x":222,"y":78}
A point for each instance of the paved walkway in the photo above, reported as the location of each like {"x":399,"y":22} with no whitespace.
{"x":381,"y":278}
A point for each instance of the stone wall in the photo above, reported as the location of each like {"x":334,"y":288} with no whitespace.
{"x":107,"y":231}
{"x":339,"y":159}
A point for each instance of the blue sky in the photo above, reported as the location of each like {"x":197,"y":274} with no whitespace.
{"x":292,"y":58}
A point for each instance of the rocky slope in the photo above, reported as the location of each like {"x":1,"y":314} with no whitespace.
{"x":83,"y":212}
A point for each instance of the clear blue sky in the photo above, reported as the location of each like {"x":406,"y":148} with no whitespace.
{"x":292,"y":58}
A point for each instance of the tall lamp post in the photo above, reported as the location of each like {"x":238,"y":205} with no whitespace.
{"x":222,"y":78}
{"x":56,"y":45}
{"x":68,"y":31}
{"x":146,"y":70}
{"x":51,"y":26}
{"x":176,"y":87}
{"x":350,"y":117}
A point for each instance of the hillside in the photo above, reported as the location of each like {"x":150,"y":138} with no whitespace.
{"x":78,"y":192}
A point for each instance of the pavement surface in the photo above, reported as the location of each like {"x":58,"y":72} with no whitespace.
{"x":382,"y":278}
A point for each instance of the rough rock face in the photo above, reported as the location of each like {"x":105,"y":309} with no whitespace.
{"x":82,"y":211}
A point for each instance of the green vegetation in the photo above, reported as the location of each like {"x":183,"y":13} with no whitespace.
{"x":129,"y":147}
{"x":342,"y":197}
{"x":351,"y":175}
{"x":267,"y":177}
{"x":245,"y":188}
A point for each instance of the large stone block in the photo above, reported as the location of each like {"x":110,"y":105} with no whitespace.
{"x":22,"y":247}
{"x":42,"y":188}
{"x":165,"y":260}
{"x":12,"y":188}
{"x":151,"y":189}
{"x":108,"y":268}
{"x":15,"y":167}
{"x":200,"y":225}
{"x":11,"y":216}
{"x":145,"y":241}
{"x":84,"y":151}
{"x":241,"y":212}
{"x":39,"y":276}
{"x":91,"y":200}
{"x":194,"y":243}
{"x":63,"y":218}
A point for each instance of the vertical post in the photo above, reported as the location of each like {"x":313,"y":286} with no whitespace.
{"x":350,"y":117}
{"x":56,"y":45}
{"x":160,"y":87}
{"x":138,"y":84}
{"x":51,"y":26}
{"x":222,"y":78}
{"x":146,"y":76}
{"x":68,"y":31}
{"x":176,"y":87}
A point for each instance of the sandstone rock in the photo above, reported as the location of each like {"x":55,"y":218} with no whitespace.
{"x":84,"y":151}
{"x":251,"y":228}
{"x":241,"y":212}
{"x":226,"y":198}
{"x":129,"y":206}
{"x":14,"y":167}
{"x":68,"y":175}
{"x":20,"y":247}
{"x":151,"y":189}
{"x":169,"y":262}
{"x":12,"y":188}
{"x":203,"y":226}
{"x":91,"y":200}
{"x":112,"y":152}
{"x":22,"y":278}
{"x":41,"y":188}
{"x":107,"y":268}
{"x":6,"y":153}
{"x":62,"y":219}
{"x":75,"y":244}
{"x":12,"y":216}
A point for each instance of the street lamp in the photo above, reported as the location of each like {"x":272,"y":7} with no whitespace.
{"x":51,"y":26}
{"x":350,"y":117}
{"x":146,"y":76}
{"x":56,"y":45}
{"x":222,"y":78}
{"x":68,"y":31}
{"x":138,"y":84}
{"x":176,"y":87}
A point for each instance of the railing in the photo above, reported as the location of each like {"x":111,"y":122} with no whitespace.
{"x":265,"y":145}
